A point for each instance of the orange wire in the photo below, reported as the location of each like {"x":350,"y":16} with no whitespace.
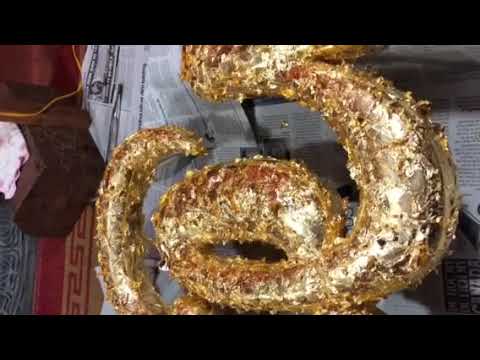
{"x":53,"y":101}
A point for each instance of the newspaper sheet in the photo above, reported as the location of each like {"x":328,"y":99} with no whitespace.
{"x":449,"y":76}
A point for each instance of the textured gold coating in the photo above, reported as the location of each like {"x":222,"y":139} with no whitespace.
{"x":254,"y":200}
{"x":398,"y":158}
{"x":120,"y":219}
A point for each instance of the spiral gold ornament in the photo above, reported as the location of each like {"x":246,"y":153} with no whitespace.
{"x":398,"y":158}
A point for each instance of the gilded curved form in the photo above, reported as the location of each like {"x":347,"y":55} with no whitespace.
{"x":398,"y":158}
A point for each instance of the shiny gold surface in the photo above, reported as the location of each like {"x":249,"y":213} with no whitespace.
{"x":399,"y":160}
{"x":120,"y":219}
{"x":261,"y":200}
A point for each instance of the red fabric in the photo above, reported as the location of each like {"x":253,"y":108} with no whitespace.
{"x":32,"y":64}
{"x":49,"y":277}
{"x":66,"y":75}
{"x":47,"y":65}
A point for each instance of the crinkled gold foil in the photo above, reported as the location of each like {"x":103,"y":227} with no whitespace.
{"x":259,"y":199}
{"x":120,"y":219}
{"x":400,"y":161}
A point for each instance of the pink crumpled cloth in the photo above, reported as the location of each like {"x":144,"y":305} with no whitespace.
{"x":13,"y":154}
